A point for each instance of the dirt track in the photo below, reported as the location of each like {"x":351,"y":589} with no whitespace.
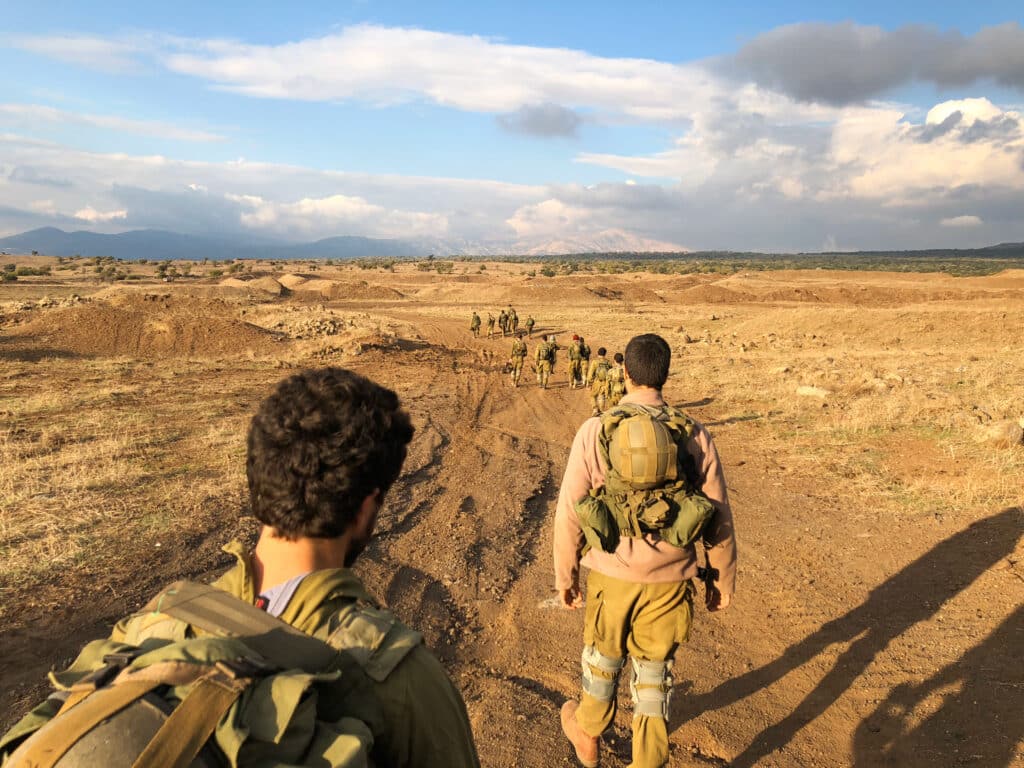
{"x":864,"y":633}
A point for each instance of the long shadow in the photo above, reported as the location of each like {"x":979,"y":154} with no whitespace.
{"x":980,"y":721}
{"x":20,"y":349}
{"x":913,"y":595}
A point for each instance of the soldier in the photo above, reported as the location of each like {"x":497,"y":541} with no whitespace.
{"x":518,"y":358}
{"x":503,"y":323}
{"x":584,"y":353}
{"x":616,"y":381}
{"x":529,"y":325}
{"x":597,"y":378}
{"x":490,"y":325}
{"x":323,"y":450}
{"x":639,"y":590}
{"x":575,"y":363}
{"x":513,"y":320}
{"x":474,"y":324}
{"x":546,"y":360}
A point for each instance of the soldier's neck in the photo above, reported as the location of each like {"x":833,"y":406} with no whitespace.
{"x":277,"y":560}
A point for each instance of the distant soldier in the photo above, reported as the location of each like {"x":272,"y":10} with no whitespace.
{"x":518,"y":358}
{"x":529,"y":325}
{"x":616,"y":381}
{"x":575,"y":363}
{"x":503,"y":323}
{"x":597,"y":378}
{"x":474,"y":324}
{"x":584,"y":353}
{"x":545,"y":360}
{"x":490,"y":325}
{"x":513,"y":320}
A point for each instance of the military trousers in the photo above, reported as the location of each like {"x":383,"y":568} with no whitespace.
{"x":646,"y":622}
{"x":543,"y":372}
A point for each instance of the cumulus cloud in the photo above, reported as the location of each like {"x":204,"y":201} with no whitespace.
{"x":544,"y":120}
{"x":337,"y":214}
{"x":32,"y":114}
{"x":90,"y":214}
{"x":850,"y":63}
{"x":962,"y":221}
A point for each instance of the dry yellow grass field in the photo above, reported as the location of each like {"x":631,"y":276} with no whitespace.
{"x":879,"y":512}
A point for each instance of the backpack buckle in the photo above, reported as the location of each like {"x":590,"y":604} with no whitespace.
{"x":245,"y":667}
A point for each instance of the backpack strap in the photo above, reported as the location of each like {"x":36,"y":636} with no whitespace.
{"x":221,"y":613}
{"x":50,"y":746}
{"x":193,"y":721}
{"x":179,"y":739}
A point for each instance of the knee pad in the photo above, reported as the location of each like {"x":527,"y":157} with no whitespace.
{"x":601,"y":687}
{"x":651,"y":687}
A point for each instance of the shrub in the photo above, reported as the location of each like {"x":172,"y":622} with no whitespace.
{"x":548,"y":271}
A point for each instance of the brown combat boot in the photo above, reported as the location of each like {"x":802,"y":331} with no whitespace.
{"x":582,"y":742}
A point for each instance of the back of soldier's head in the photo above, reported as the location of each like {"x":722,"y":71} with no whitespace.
{"x":618,"y":358}
{"x":601,"y":351}
{"x":318,"y":446}
{"x":647,"y":360}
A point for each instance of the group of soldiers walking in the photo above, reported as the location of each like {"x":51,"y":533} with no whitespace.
{"x":507,"y":321}
{"x":604,"y":378}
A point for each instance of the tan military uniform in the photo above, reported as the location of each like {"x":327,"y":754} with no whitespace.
{"x":545,"y":362}
{"x":575,"y":365}
{"x":422,"y":718}
{"x":639,"y":598}
{"x":517,"y":360}
{"x":598,"y":386}
{"x":616,"y":384}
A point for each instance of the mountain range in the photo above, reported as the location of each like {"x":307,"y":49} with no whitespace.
{"x":158,"y":245}
{"x":154,"y":244}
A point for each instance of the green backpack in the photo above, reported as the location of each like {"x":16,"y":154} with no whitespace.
{"x":651,"y":483}
{"x":254,"y":691}
{"x":601,"y":368}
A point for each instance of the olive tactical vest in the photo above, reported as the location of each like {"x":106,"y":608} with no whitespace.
{"x":651,"y":484}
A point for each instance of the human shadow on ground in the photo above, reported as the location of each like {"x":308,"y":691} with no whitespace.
{"x":980,"y":719}
{"x":913,"y":595}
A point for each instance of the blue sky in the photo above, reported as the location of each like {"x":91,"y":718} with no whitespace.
{"x":538,"y":126}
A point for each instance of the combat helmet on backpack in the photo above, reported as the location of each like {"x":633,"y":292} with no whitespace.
{"x":652,"y":481}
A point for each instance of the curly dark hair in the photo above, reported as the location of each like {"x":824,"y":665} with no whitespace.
{"x":648,"y":357}
{"x":318,"y":446}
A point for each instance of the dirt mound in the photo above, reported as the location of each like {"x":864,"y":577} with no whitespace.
{"x":333,"y":289}
{"x":291,"y":281}
{"x":150,"y":326}
{"x":264,"y":284}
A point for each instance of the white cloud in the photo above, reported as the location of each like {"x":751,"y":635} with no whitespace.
{"x":90,"y":214}
{"x":387,"y":65}
{"x":96,"y":52}
{"x":337,"y":214}
{"x":962,"y":221}
{"x":884,"y":156}
{"x":29,"y":114}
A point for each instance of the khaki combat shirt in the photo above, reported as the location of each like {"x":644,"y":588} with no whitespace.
{"x":649,"y":559}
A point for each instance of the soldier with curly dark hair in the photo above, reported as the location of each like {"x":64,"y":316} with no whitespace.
{"x":323,"y":450}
